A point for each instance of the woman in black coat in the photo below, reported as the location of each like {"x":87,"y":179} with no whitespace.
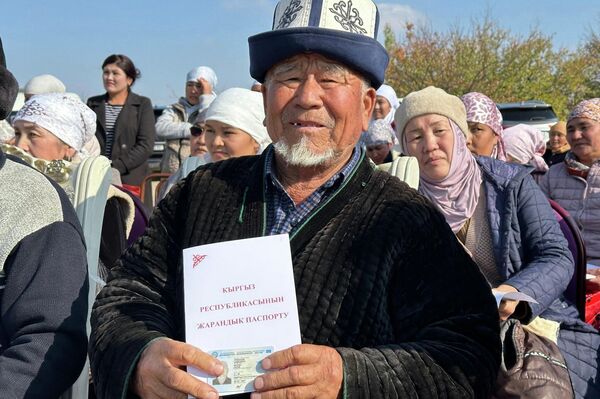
{"x":125,"y":123}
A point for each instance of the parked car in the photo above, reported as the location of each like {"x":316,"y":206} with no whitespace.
{"x":534,"y":112}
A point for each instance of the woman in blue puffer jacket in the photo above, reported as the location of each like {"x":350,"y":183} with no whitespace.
{"x":502,"y":217}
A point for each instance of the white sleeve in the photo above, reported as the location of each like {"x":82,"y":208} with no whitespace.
{"x":169,"y":126}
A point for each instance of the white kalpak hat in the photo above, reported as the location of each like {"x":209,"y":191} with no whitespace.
{"x":345,"y":31}
{"x":62,"y":114}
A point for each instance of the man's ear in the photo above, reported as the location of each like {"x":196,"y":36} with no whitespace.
{"x":369,"y":98}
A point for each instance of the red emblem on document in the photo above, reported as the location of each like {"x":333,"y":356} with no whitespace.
{"x":196,"y":259}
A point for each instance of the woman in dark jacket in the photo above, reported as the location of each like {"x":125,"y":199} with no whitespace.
{"x":504,"y":220}
{"x":125,"y":124}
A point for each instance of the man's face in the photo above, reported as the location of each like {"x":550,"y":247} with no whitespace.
{"x":317,"y":104}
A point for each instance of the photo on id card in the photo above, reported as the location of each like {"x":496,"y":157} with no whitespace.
{"x":241,"y":367}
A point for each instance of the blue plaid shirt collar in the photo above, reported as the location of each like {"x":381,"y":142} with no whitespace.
{"x":283,"y":216}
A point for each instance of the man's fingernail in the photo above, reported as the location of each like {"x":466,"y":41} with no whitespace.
{"x":266,"y":363}
{"x":212,"y":395}
{"x":259,"y":383}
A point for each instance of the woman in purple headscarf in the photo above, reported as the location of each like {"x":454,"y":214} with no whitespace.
{"x":503,"y":219}
{"x":485,"y":125}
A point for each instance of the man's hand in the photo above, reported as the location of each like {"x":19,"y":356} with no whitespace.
{"x":302,"y":371}
{"x":593,"y":285}
{"x":206,"y":86}
{"x":158,"y":373}
{"x":507,"y":307}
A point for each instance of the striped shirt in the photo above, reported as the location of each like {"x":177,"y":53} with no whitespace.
{"x":283,"y":216}
{"x":111,"y":114}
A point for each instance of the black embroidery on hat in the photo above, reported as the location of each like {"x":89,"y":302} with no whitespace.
{"x":289,"y":14}
{"x":348,"y":17}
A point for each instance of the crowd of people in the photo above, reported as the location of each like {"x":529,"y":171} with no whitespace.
{"x":395,"y":287}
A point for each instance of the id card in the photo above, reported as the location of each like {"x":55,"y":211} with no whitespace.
{"x":241,"y":366}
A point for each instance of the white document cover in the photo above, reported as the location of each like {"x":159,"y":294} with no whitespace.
{"x":240,"y":306}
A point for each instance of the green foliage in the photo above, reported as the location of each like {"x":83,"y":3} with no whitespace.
{"x":494,"y":61}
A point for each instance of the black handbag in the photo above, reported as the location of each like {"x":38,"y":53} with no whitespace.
{"x":531,"y":367}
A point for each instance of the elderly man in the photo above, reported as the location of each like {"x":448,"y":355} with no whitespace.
{"x":176,"y":120}
{"x":389,"y":303}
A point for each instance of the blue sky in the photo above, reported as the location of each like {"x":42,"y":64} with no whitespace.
{"x":70,"y":39}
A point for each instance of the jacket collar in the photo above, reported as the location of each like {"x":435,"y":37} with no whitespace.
{"x":500,"y":173}
{"x":132,"y":99}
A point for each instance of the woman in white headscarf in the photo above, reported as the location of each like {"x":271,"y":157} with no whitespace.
{"x":53,"y":133}
{"x":54,"y":126}
{"x":234,"y":125}
{"x":386,"y":104}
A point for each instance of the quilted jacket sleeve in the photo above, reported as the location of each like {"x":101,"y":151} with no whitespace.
{"x":445,"y":322}
{"x":547,"y":263}
{"x":136,"y":305}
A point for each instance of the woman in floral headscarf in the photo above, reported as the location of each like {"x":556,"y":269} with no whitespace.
{"x":575,"y":183}
{"x":485,"y":124}
{"x":54,"y":129}
{"x":379,"y":140}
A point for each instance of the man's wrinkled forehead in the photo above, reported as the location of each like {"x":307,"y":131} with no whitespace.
{"x":302,"y":62}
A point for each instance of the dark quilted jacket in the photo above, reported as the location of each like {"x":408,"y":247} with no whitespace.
{"x":532,"y":255}
{"x":379,"y":276}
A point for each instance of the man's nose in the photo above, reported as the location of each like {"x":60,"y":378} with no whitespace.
{"x":309,"y":93}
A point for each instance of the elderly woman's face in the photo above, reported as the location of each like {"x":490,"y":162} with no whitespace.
{"x":225,"y":141}
{"x":583,"y":135}
{"x":483,"y":139}
{"x":382,"y":108}
{"x":430,"y":139}
{"x":40,"y":143}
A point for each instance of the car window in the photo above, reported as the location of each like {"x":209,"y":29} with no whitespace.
{"x":527,"y":114}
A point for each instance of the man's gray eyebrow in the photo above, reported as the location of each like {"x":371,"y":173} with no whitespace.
{"x":286,"y":67}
